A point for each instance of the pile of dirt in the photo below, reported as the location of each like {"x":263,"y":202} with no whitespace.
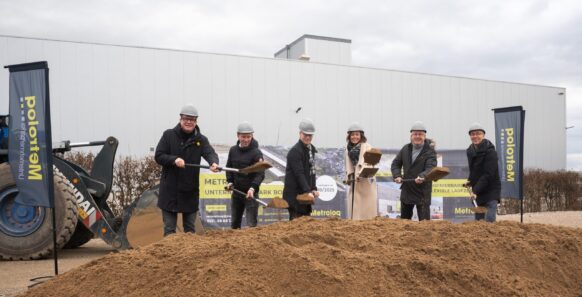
{"x":309,"y":257}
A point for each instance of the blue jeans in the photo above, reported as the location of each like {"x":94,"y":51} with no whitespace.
{"x":170,"y":219}
{"x":491,"y":214}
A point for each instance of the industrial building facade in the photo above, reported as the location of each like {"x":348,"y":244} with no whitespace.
{"x":135,"y":93}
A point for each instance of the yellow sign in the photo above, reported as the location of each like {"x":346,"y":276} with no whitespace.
{"x":271,"y":190}
{"x":384,"y":174}
{"x":212,"y":187}
{"x":449,"y":188}
{"x":215,"y":207}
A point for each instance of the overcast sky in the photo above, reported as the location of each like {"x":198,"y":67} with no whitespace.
{"x":537,"y":42}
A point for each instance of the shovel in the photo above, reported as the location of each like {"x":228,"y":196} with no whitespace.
{"x":434,"y":175}
{"x":257,"y":167}
{"x":476,"y":209}
{"x":274,"y":203}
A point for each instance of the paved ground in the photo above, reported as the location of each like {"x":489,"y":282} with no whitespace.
{"x":559,"y":218}
{"x":15,"y":275}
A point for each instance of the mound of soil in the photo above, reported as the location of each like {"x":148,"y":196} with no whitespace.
{"x":309,"y":257}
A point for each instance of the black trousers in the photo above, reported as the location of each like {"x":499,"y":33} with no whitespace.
{"x":238,"y":206}
{"x":170,"y":219}
{"x":423,"y":211}
{"x":294,"y":214}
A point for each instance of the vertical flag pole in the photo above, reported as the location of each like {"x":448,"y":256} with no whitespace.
{"x":49,"y":164}
{"x":521,"y":176}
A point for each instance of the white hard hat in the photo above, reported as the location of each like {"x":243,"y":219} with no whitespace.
{"x":355,"y":126}
{"x":418,"y":126}
{"x":244,"y":128}
{"x":189,"y":110}
{"x":306,"y":126}
{"x":476,"y":127}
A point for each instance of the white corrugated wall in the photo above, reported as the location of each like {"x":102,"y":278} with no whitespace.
{"x":135,"y":93}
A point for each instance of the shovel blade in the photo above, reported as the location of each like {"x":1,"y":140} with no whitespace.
{"x":372,"y":156}
{"x":478,"y":209}
{"x":437,"y":173}
{"x":257,"y":167}
{"x":278,"y":203}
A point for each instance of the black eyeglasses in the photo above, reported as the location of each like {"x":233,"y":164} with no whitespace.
{"x":189,"y":119}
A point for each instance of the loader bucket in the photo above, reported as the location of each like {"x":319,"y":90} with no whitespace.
{"x":144,"y":221}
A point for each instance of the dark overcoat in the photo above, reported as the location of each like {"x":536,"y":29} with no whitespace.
{"x":298,"y":177}
{"x":403,"y":166}
{"x":179,"y":187}
{"x":484,"y":172}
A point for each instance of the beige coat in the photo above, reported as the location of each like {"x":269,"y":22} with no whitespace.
{"x":366,"y":192}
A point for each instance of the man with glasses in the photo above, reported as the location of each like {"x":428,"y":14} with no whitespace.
{"x":179,"y":185}
{"x":300,"y":172}
{"x":416,"y":159}
{"x":483,"y":173}
{"x":245,"y":153}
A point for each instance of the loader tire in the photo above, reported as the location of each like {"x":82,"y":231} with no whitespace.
{"x":26,"y":231}
{"x":81,"y":236}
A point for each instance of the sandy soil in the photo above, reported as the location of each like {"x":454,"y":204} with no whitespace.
{"x":308,"y":257}
{"x":15,"y":275}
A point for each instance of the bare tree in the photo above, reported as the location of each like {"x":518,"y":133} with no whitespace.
{"x":132,"y":177}
{"x":548,"y":191}
{"x":83,"y":159}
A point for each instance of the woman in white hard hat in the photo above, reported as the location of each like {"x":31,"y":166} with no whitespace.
{"x":363,"y":194}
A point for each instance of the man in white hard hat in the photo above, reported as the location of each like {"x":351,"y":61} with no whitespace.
{"x":300,"y":171}
{"x":414,"y":161}
{"x":245,"y":153}
{"x":483,"y":173}
{"x":179,"y":185}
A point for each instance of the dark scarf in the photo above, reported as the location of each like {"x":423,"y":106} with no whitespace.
{"x":311,"y":153}
{"x":185,"y":136}
{"x":354,"y":152}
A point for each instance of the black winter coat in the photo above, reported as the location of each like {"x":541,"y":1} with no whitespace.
{"x":298,"y":177}
{"x":243,"y":157}
{"x":411,"y":192}
{"x":484,"y":172}
{"x":179,"y":190}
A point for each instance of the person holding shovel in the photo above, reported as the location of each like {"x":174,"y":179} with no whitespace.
{"x":363,"y":195}
{"x":179,"y":185}
{"x":300,"y":172}
{"x":484,"y":182}
{"x":245,"y":153}
{"x":416,"y":159}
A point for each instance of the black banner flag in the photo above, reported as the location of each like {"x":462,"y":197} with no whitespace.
{"x":509,"y":125}
{"x":30,"y":147}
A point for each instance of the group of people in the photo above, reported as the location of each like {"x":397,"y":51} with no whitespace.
{"x":184,"y":144}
